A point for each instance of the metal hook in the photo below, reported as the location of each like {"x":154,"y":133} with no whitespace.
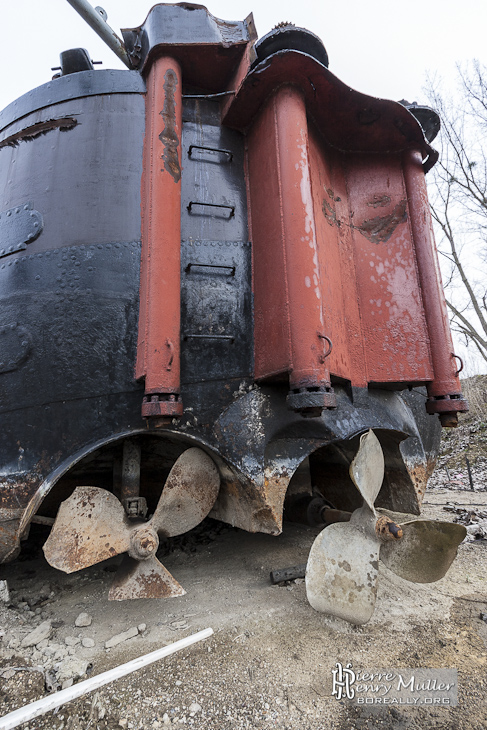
{"x":171,"y":354}
{"x":457,"y":357}
{"x":330,"y":345}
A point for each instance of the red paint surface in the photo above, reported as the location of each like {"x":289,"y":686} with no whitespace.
{"x":271,"y":303}
{"x":288,"y":301}
{"x":444,"y":381}
{"x":335,"y":251}
{"x":314,"y":212}
{"x":395,"y":336}
{"x":159,"y":321}
{"x":342,"y":248}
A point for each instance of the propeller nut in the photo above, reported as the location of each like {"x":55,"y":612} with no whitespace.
{"x":143,"y":543}
{"x":386,"y":529}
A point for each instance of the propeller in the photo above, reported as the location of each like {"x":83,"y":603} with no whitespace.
{"x":343,"y":564}
{"x":92,"y":525}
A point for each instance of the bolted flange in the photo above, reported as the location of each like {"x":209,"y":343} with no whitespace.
{"x":162,"y":405}
{"x":310,"y":402}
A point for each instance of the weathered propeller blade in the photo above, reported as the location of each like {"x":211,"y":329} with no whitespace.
{"x":343,"y":564}
{"x":143,"y":579}
{"x":189,"y":493}
{"x":367,"y":468}
{"x":426,"y":550}
{"x":342,"y":570}
{"x":341,"y":575}
{"x":90,"y":526}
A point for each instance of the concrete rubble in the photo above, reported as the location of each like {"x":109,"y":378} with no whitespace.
{"x":61,"y":657}
{"x":4,"y":592}
{"x":71,"y":667}
{"x":474,"y":520}
{"x":124,"y":636}
{"x":40,"y":633}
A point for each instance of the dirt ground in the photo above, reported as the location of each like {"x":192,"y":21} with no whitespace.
{"x":270,"y":660}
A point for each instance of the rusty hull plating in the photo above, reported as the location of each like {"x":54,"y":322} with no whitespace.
{"x":236,"y":247}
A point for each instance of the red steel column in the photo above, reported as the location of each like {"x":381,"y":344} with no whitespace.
{"x":445,"y":396}
{"x":158,"y":351}
{"x":310,"y":389}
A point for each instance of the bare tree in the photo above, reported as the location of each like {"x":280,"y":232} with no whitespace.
{"x":458,"y":194}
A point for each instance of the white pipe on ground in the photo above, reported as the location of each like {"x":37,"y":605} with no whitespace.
{"x":23,"y":714}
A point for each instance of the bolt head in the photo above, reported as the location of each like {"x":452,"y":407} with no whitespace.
{"x":144,"y":542}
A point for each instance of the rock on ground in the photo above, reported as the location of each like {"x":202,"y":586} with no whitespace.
{"x":84,"y":619}
{"x":4,"y":592}
{"x":72,"y":667}
{"x":43,"y":631}
{"x":119,"y":638}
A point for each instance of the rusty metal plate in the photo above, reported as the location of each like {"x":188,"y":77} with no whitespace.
{"x":425,"y":552}
{"x":394,"y":326}
{"x":348,"y":120}
{"x":144,"y":579}
{"x":90,"y":526}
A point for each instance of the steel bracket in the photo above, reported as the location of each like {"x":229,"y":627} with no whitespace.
{"x":135,"y":506}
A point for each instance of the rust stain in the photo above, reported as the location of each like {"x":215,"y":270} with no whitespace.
{"x":146,"y":579}
{"x":379,"y":201}
{"x":381,"y":228}
{"x":189,"y":493}
{"x":329,"y":213}
{"x":419,"y":475}
{"x":87,"y":521}
{"x":387,"y":530}
{"x":168,"y":136}
{"x":34,"y":131}
{"x":246,"y":504}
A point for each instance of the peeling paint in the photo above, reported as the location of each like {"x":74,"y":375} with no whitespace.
{"x":36,"y":130}
{"x":168,"y":136}
{"x":379,"y":201}
{"x":381,"y":228}
{"x":329,"y":213}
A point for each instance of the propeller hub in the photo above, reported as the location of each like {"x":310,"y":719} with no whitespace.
{"x":386,"y":529}
{"x":143,"y":543}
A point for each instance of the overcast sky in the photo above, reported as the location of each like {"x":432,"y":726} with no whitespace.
{"x":380,"y":47}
